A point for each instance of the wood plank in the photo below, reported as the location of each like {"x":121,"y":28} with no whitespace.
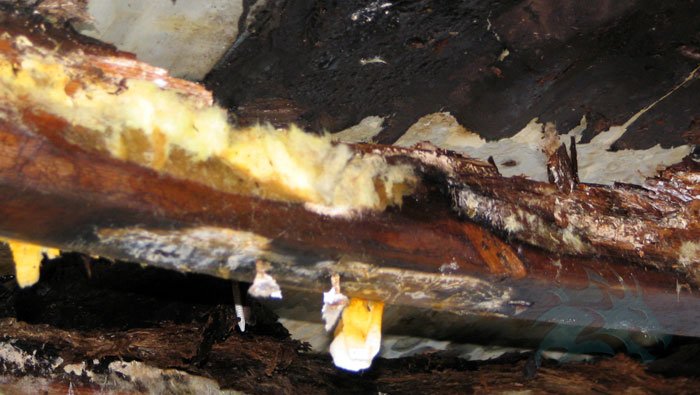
{"x":621,"y":240}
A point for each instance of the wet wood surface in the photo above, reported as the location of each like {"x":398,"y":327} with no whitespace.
{"x":424,"y":253}
{"x":176,"y":328}
{"x":494,"y":65}
{"x":266,"y":365}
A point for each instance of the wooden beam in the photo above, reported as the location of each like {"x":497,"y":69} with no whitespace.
{"x":467,"y":240}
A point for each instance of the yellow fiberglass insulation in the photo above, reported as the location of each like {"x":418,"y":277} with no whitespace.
{"x":139,"y":121}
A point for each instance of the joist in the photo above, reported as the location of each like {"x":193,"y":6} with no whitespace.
{"x":445,"y":232}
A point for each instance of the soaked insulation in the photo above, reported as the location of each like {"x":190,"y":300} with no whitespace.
{"x":139,"y":121}
{"x":358,"y":335}
{"x":27,"y":258}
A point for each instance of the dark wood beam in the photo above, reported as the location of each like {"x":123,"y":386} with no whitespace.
{"x":467,"y":241}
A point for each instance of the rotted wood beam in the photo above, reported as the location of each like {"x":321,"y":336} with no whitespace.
{"x":466,"y":240}
{"x":171,"y":346}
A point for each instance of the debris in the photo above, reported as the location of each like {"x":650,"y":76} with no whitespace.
{"x":333,"y":303}
{"x":363,"y":132}
{"x":398,"y":252}
{"x":367,"y":14}
{"x":65,"y":11}
{"x":450,"y":267}
{"x":264,"y":286}
{"x":561,"y":169}
{"x":242,"y":311}
{"x":374,"y":59}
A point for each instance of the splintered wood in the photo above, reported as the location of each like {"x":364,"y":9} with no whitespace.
{"x":656,"y":225}
{"x":429,"y":228}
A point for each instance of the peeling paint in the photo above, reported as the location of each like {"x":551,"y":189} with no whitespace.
{"x":78,"y":369}
{"x":363,"y":132}
{"x":522,"y":154}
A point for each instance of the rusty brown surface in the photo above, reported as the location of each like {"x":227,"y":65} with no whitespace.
{"x":648,"y":224}
{"x":53,"y":193}
{"x":499,"y":256}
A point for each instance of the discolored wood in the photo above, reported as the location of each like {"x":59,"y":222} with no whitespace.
{"x":494,"y":65}
{"x":169,"y":345}
{"x":425,"y":253}
{"x":499,"y":256}
{"x":651,"y":224}
{"x":263,"y":364}
{"x":177,"y":327}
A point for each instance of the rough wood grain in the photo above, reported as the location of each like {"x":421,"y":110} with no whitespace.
{"x":263,"y":365}
{"x":426,"y":253}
